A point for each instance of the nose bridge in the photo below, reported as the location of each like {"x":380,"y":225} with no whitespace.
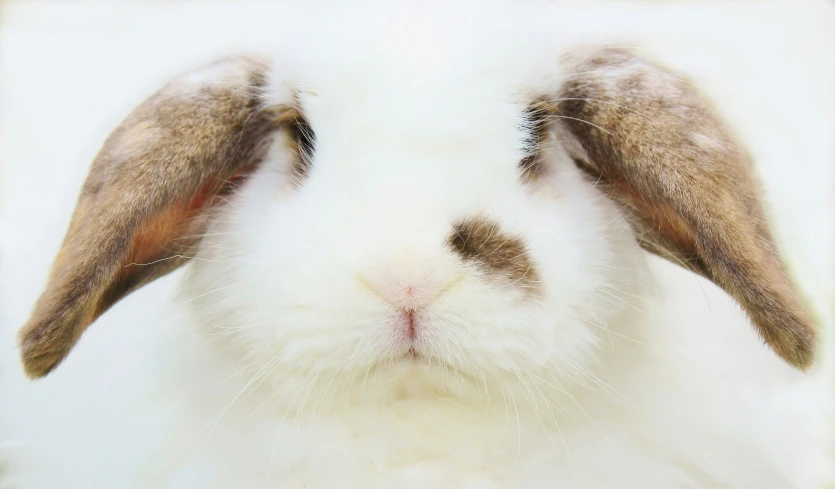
{"x":407,"y":220}
{"x":410,"y":206}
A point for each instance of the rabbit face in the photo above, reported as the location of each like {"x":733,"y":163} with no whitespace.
{"x":414,"y":261}
{"x":447,"y":213}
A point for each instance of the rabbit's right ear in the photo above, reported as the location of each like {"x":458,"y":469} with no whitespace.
{"x":146,"y":200}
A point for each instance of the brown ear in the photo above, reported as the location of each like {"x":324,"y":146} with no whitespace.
{"x":687,"y":187}
{"x":145,"y":201}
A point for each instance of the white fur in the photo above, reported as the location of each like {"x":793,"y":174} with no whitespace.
{"x":280,"y":365}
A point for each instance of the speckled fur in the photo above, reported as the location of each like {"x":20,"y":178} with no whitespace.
{"x":688,"y":188}
{"x":147,"y":199}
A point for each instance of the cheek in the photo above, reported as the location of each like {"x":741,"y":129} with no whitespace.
{"x":585,"y":255}
{"x":269,"y":282}
{"x":314,"y":314}
{"x":571,"y":257}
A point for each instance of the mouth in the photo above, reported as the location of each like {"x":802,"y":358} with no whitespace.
{"x":413,"y":356}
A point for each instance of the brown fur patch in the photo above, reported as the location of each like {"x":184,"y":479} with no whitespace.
{"x":655,"y":145}
{"x":145,"y":202}
{"x":482,"y":241}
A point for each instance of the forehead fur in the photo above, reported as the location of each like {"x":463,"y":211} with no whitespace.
{"x":424,"y":68}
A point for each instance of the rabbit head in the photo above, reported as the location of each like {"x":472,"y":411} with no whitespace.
{"x":406,"y":226}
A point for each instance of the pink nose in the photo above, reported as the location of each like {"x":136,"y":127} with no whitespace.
{"x":410,"y":288}
{"x":410,"y":293}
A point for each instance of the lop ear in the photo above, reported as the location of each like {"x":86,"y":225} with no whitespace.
{"x":687,"y":187}
{"x":147,"y":197}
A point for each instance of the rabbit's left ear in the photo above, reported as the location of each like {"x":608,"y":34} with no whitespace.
{"x":655,"y":146}
{"x":147,"y":198}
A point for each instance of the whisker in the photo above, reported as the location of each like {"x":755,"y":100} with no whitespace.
{"x":556,"y":116}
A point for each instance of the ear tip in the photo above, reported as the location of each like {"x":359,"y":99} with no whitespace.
{"x":805,"y":356}
{"x":803,"y":360}
{"x":36,"y":366}
{"x":798,"y":346}
{"x":40,"y":353}
{"x":35,"y":372}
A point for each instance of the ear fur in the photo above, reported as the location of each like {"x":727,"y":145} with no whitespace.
{"x":655,"y":146}
{"x":146,"y":200}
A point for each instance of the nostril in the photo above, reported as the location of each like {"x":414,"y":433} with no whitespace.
{"x":410,"y":296}
{"x":410,"y":288}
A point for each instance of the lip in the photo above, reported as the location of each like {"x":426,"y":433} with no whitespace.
{"x":412,"y":356}
{"x":406,"y":325}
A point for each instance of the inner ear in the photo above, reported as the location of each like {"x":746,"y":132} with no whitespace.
{"x":150,"y":193}
{"x":658,"y":228}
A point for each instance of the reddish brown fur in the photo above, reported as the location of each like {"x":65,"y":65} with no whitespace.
{"x":147,"y":198}
{"x":654,"y":144}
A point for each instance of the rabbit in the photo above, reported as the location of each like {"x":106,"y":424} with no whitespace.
{"x":473,"y":259}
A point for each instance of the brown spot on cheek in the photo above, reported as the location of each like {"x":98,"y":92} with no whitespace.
{"x":482,"y":242}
